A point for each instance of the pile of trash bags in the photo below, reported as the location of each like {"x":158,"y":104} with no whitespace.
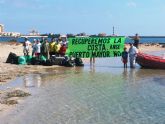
{"x":29,"y":60}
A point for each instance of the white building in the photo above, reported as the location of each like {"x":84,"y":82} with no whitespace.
{"x":13,"y":34}
{"x":34,"y":33}
{"x":1,"y":28}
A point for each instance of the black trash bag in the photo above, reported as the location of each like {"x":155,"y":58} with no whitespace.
{"x":35,"y":61}
{"x":42,"y":62}
{"x":48,"y":62}
{"x":15,"y":60}
{"x":56,"y":60}
{"x":78,"y":62}
{"x":68,"y":63}
{"x":12,"y":58}
{"x":63,"y":62}
{"x":53,"y":59}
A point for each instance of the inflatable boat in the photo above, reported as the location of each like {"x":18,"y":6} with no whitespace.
{"x":150,"y":61}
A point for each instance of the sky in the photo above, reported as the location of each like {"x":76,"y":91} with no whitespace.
{"x":145,"y":17}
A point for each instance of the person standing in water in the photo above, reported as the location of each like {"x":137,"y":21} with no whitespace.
{"x":125,"y":57}
{"x":132,"y":55}
{"x":92,"y":60}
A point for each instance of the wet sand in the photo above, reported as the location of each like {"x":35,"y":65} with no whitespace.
{"x":10,"y":72}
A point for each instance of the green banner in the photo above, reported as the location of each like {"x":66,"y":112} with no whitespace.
{"x":86,"y":47}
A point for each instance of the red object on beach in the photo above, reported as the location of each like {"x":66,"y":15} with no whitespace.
{"x":150,"y":61}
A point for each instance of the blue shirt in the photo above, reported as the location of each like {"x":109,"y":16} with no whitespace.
{"x":125,"y":55}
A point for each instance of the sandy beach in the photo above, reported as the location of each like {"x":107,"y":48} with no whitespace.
{"x":9,"y":72}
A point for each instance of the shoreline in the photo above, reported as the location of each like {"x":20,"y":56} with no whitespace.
{"x":9,"y":72}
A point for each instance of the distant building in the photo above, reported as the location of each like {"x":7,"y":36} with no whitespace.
{"x":1,"y":28}
{"x":81,"y":34}
{"x":12,"y":34}
{"x":34,"y":33}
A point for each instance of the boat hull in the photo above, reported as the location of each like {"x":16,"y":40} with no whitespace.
{"x":150,"y":61}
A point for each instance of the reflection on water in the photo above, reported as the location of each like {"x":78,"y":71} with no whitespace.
{"x":32,"y":81}
{"x":103,"y":93}
{"x":125,"y":73}
{"x":92,"y":68}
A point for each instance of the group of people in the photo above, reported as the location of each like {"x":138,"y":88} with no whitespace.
{"x":132,"y":52}
{"x":56,"y":47}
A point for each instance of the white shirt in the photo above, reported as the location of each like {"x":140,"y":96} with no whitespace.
{"x":27,"y":44}
{"x":38,"y":47}
{"x":133,"y":51}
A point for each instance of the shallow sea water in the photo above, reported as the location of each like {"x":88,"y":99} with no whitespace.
{"x":103,"y":93}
